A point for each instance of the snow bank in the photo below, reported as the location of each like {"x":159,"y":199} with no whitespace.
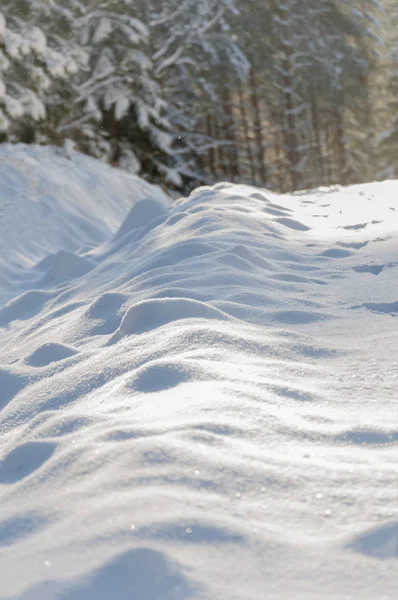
{"x":201,"y":403}
{"x":51,"y":201}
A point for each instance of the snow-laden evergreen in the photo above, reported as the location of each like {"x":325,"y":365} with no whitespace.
{"x":122,"y":79}
{"x":30,"y":65}
{"x":280,"y":93}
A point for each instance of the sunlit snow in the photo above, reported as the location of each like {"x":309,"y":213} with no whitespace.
{"x":198,"y":400}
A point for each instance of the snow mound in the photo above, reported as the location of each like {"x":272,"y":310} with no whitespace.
{"x":142,"y":214}
{"x":149,"y":573}
{"x":162,"y":375}
{"x":151,"y":314}
{"x":200,"y":386}
{"x":105,"y":305}
{"x":157,"y":377}
{"x":51,"y":200}
{"x":24,"y":306}
{"x":10,"y":384}
{"x":66,"y":265}
{"x":49,"y":353}
{"x":23,"y":460}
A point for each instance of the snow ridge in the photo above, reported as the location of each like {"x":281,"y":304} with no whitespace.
{"x":201,"y":403}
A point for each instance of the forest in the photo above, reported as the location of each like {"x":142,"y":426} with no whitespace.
{"x":284,"y":94}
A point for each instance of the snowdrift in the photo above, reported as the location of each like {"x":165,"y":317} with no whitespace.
{"x":52,"y":201}
{"x":197,"y":401}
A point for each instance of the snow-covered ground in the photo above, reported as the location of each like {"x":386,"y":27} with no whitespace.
{"x":197,"y":401}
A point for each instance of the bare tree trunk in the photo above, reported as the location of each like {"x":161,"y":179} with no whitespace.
{"x":222,"y":155}
{"x":280,"y":173}
{"x":230,"y":135}
{"x":258,"y":128}
{"x":340,"y":147}
{"x":317,"y":145}
{"x":285,"y":13}
{"x":330,"y":161}
{"x":202,"y":158}
{"x":246,"y":134}
{"x":212,"y":153}
{"x":291,"y":141}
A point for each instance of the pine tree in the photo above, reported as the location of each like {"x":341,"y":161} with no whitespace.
{"x":363,"y":37}
{"x":196,"y":58}
{"x":309,"y":95}
{"x":386,"y":103}
{"x":280,"y":93}
{"x":30,"y":64}
{"x":116,"y":106}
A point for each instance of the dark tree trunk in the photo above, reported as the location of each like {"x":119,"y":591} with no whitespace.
{"x":246,"y":134}
{"x":340,"y":147}
{"x":212,"y":153}
{"x":230,"y":135}
{"x":317,"y":146}
{"x":258,"y":128}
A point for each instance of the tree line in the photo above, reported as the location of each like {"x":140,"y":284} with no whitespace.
{"x":285,"y":94}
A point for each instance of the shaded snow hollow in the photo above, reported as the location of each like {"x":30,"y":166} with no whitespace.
{"x":196,"y":401}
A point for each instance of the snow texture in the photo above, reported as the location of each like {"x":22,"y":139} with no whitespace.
{"x":197,"y":401}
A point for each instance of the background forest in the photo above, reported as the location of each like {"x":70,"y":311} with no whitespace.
{"x":286,"y":94}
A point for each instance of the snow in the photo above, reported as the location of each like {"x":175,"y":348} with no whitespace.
{"x":38,"y":40}
{"x":2,"y":25}
{"x":103,"y":30}
{"x":71,"y":203}
{"x":122,"y":106}
{"x":197,"y":400}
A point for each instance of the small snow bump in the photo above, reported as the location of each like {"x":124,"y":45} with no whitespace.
{"x":66,"y":265}
{"x":49,"y":353}
{"x":144,"y":212}
{"x":151,"y":314}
